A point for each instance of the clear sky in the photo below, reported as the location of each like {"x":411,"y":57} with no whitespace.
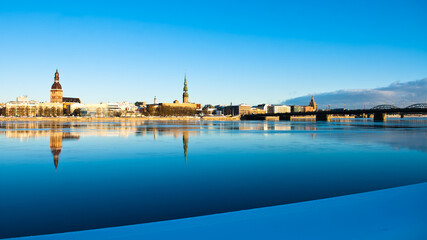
{"x":233,"y":51}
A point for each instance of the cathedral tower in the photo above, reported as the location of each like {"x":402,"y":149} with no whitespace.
{"x":56,"y":90}
{"x":313,"y":103}
{"x":185,"y":95}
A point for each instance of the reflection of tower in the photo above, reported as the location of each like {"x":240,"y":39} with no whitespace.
{"x":185,"y":94}
{"x":56,"y":90}
{"x":56,"y":146}
{"x":155,"y":134}
{"x":185,"y":142}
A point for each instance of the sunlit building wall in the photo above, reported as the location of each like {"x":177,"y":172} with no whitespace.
{"x":278,"y":109}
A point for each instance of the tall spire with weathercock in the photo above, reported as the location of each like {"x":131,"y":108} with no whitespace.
{"x":185,"y":94}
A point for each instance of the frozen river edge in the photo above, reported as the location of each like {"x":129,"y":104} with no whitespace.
{"x":396,"y":213}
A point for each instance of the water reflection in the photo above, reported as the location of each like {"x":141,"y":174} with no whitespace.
{"x":185,"y":142}
{"x":56,"y":138}
{"x":56,"y":146}
{"x":407,"y":134}
{"x":72,"y":131}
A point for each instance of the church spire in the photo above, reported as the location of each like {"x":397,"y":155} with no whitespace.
{"x":56,"y":76}
{"x":185,"y":94}
{"x":185,"y":83}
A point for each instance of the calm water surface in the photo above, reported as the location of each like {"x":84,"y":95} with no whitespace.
{"x":57,"y":177}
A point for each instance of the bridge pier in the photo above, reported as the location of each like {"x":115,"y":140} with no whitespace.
{"x":402,"y":115}
{"x":285,"y":118}
{"x":380,"y":117}
{"x":323,"y":117}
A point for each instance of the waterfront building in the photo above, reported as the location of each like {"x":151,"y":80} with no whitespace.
{"x":21,"y":107}
{"x":220,"y":109}
{"x":50,"y":109}
{"x":68,"y":101}
{"x":89,"y":110}
{"x":178,"y":109}
{"x":296,"y":108}
{"x":2,"y":109}
{"x":263,"y":107}
{"x":141,"y":104}
{"x":256,"y":110}
{"x":93,"y":110}
{"x":121,"y":109}
{"x":75,"y":109}
{"x":113,"y":107}
{"x":127,"y":107}
{"x":235,"y":110}
{"x":208,"y":110}
{"x":308,"y":109}
{"x":313,"y":104}
{"x":273,"y":109}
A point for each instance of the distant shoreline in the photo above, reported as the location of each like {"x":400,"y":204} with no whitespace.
{"x":158,"y":118}
{"x":117,"y":119}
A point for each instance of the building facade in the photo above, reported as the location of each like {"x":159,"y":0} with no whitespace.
{"x":308,"y":109}
{"x":296,"y":108}
{"x":235,"y":110}
{"x":21,"y":107}
{"x":273,"y":109}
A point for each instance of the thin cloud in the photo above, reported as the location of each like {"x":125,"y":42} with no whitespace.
{"x":398,"y":94}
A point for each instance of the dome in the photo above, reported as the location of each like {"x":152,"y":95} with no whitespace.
{"x":56,"y":85}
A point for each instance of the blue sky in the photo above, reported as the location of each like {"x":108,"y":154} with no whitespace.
{"x":241,"y":51}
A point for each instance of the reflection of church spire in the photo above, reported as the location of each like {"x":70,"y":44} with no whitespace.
{"x":185,"y":141}
{"x":56,"y":146}
{"x":56,"y":158}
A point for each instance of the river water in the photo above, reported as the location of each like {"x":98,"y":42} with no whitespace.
{"x":62,"y":176}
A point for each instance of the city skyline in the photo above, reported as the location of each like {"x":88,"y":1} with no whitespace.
{"x":135,"y":51}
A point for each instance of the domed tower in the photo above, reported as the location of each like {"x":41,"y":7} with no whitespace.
{"x":185,"y":94}
{"x":56,"y":90}
{"x":313,"y":103}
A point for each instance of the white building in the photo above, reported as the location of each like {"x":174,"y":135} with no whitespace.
{"x":273,"y":109}
{"x":263,"y":107}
